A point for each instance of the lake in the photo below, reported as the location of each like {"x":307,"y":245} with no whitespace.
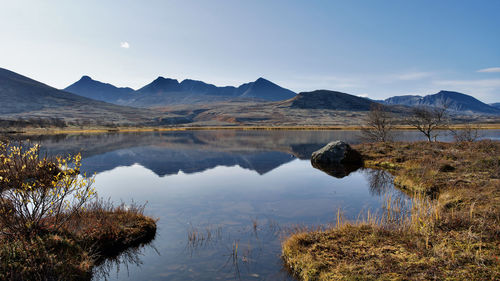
{"x":224,"y":198}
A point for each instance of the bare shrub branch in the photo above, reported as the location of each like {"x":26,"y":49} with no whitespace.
{"x":470,"y":133}
{"x":378,"y":124}
{"x":428,"y":119}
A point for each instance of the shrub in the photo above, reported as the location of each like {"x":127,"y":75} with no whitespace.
{"x":38,"y":193}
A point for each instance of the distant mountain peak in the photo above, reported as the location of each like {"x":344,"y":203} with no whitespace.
{"x":445,"y":92}
{"x":455,"y":101}
{"x":86,"y":78}
{"x":263,"y":81}
{"x":265,"y":90}
{"x":93,"y":89}
{"x":162,"y":79}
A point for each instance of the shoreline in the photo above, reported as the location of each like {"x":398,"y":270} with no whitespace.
{"x":33,"y":131}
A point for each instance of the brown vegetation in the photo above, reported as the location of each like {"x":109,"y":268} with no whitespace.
{"x":450,"y":230}
{"x":52,"y":226}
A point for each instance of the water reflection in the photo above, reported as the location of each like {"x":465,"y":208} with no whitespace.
{"x":336,"y":170}
{"x":380,"y":181}
{"x":218,"y":191}
{"x":121,"y":262}
{"x":167,"y":153}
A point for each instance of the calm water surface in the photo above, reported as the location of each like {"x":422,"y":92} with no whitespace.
{"x":231,"y":189}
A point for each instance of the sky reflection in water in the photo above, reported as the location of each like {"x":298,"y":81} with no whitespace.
{"x":242,"y":188}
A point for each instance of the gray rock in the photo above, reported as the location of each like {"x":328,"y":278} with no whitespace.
{"x":336,"y":152}
{"x":337,"y":159}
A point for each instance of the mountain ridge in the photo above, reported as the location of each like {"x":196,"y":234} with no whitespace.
{"x":22,"y":97}
{"x":93,"y":89}
{"x":454,"y":101}
{"x":167,"y":91}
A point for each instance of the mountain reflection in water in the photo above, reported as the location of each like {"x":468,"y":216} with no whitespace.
{"x":167,"y":153}
{"x":213,"y":191}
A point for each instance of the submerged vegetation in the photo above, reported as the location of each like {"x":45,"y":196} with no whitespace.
{"x":52,"y":224}
{"x":450,"y":229}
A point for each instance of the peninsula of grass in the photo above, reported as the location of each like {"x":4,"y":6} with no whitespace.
{"x":450,"y":230}
{"x":52,"y":225}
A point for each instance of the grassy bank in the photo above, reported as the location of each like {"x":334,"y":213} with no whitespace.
{"x":52,"y":225}
{"x":72,"y":253}
{"x":450,"y":231}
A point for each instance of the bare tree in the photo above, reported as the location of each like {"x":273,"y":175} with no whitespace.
{"x":469,"y":133}
{"x":428,"y":119}
{"x":378,"y":124}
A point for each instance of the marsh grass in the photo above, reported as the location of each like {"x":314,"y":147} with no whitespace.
{"x":198,"y":237}
{"x":449,"y":229}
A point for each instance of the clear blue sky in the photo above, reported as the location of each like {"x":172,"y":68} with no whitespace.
{"x":371,"y":48}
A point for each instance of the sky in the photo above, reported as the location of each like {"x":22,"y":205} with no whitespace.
{"x":368,"y":48}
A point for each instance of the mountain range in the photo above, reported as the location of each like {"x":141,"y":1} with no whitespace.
{"x":170,"y":102}
{"x":170,"y":92}
{"x":454,"y":101}
{"x":166,"y":91}
{"x":25,"y":98}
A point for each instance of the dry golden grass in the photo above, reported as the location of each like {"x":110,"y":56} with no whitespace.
{"x":452,"y":230}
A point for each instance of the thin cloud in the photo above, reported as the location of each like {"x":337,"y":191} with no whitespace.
{"x":481,"y":83}
{"x":124,"y":45}
{"x":490,"y":70}
{"x":485,"y":90}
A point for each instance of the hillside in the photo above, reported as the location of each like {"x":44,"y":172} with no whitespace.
{"x":409,"y":100}
{"x":22,"y":97}
{"x":496,"y":105}
{"x":324,"y":99}
{"x":455,"y":101}
{"x":318,"y":108}
{"x":87,"y":87}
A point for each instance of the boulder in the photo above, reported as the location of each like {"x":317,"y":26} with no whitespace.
{"x":336,"y":152}
{"x":337,"y":159}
